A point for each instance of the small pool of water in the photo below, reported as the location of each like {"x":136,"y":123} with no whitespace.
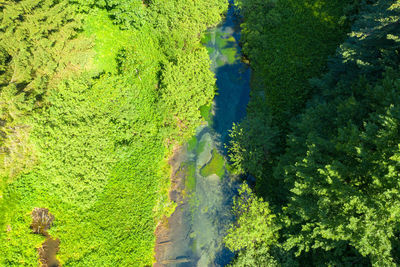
{"x":205,"y":213}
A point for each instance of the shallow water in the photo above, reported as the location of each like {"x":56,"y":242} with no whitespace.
{"x":205,"y":214}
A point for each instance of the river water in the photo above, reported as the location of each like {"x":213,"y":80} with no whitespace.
{"x":199,"y":224}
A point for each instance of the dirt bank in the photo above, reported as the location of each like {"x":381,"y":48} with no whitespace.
{"x":167,"y":236}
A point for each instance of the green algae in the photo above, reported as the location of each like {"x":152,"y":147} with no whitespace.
{"x":190,"y":182}
{"x":201,"y":147}
{"x":215,"y":166}
{"x":231,"y":54}
{"x":206,"y":38}
{"x":192,"y":143}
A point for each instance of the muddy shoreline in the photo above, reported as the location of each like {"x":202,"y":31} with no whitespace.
{"x":166,"y":237}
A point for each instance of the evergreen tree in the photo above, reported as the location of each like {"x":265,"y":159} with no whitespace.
{"x":341,"y":163}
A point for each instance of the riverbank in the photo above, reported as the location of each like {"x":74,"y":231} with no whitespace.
{"x":166,"y":236}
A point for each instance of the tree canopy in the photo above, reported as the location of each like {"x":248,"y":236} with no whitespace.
{"x":334,"y":185}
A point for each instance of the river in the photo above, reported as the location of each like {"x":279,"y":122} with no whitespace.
{"x":204,"y":189}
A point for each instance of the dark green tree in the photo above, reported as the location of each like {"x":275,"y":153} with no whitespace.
{"x":340,"y":166}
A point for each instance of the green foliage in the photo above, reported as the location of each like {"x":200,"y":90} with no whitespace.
{"x":170,"y":22}
{"x":92,"y":99}
{"x":4,"y":58}
{"x":179,"y":76}
{"x":287,"y":42}
{"x":339,"y":169}
{"x":253,"y":142}
{"x":352,"y":174}
{"x":109,"y":39}
{"x":40,"y":45}
{"x":344,"y":149}
{"x":254,"y":232}
{"x":73,"y":133}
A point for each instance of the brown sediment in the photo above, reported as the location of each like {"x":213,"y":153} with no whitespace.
{"x":166,"y":235}
{"x":48,"y":251}
{"x":42,"y":220}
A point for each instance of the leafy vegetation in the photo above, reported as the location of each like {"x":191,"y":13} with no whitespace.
{"x":95,"y":94}
{"x":287,"y":43}
{"x":254,"y":231}
{"x":330,"y":173}
{"x":93,"y":98}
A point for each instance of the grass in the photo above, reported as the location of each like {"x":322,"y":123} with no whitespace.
{"x":109,"y":40}
{"x":95,"y":193}
{"x":215,"y":166}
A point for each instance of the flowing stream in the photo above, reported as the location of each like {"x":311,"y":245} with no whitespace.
{"x":203,"y":215}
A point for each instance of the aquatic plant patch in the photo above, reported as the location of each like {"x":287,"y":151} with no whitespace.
{"x":215,"y":166}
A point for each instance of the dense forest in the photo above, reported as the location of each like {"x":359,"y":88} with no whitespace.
{"x":94,"y":95}
{"x":321,"y":137}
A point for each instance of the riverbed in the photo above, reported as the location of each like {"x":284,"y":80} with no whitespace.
{"x":202,"y":185}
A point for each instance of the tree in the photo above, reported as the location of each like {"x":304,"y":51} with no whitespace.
{"x":340,"y":164}
{"x":254,"y":232}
